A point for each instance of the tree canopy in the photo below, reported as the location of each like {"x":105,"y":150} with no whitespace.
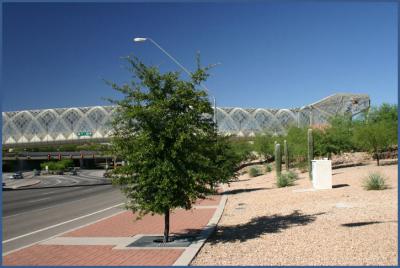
{"x":163,"y":129}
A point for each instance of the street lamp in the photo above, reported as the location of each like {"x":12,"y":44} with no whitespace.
{"x":143,"y":39}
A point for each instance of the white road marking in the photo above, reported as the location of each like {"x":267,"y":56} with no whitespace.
{"x":50,"y":192}
{"x":58,"y":181}
{"x":37,"y":200}
{"x":63,"y":232}
{"x":88,"y":190}
{"x":61,"y":223}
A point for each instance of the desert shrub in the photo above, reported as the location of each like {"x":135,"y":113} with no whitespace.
{"x":302,"y":166}
{"x":264,"y":145}
{"x":297,"y":140}
{"x":374,"y":181}
{"x":254,"y":172}
{"x":292,"y":175}
{"x":243,"y":171}
{"x":242,"y":149}
{"x":284,"y":180}
{"x":335,"y":139}
{"x":268,"y":168}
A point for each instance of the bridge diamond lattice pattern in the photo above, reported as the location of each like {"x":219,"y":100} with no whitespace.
{"x":61,"y":125}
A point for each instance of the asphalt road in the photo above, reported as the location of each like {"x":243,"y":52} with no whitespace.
{"x":84,"y":177}
{"x":33,"y":215}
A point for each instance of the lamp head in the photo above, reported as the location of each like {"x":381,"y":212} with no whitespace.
{"x":139,"y":39}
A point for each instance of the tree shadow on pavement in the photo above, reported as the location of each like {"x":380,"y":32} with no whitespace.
{"x":238,"y":191}
{"x":259,"y":226}
{"x":238,"y":180}
{"x":340,"y":185}
{"x":361,"y":223}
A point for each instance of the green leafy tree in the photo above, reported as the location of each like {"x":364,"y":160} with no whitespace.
{"x":57,"y":165}
{"x":296,"y":138}
{"x":374,"y":137}
{"x":377,"y":131}
{"x":164,"y":131}
{"x":336,"y":138}
{"x":264,"y":145}
{"x":386,"y":112}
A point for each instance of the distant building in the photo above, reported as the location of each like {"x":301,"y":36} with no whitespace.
{"x":83,"y":124}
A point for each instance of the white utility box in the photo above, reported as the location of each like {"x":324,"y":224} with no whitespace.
{"x":322,"y":174}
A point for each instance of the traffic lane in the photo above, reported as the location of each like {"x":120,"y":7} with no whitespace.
{"x":37,"y":235}
{"x":67,"y":180}
{"x":99,"y":173}
{"x":15,"y":195}
{"x":28,"y":194}
{"x":57,"y":180}
{"x":89,"y":179}
{"x":16,"y":202}
{"x":50,"y":181}
{"x":41,"y":217}
{"x":63,"y":180}
{"x":64,"y":215}
{"x":83,"y":177}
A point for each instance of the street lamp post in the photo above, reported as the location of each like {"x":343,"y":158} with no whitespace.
{"x":143,"y":39}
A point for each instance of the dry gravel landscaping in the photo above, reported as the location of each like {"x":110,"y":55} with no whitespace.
{"x":347,"y":225}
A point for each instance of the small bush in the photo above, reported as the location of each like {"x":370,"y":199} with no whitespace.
{"x":292,"y":175}
{"x":268,"y":168}
{"x":284,"y":180}
{"x":374,"y":181}
{"x":254,"y":172}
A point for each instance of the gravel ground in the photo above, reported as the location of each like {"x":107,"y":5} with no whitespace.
{"x":347,"y":225}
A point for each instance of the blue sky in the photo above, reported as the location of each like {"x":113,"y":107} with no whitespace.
{"x":272,"y":55}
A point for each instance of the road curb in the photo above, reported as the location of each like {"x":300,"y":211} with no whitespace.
{"x":17,"y":187}
{"x":190,"y":252}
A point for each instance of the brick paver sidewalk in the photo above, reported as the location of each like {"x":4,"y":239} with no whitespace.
{"x":104,"y":242}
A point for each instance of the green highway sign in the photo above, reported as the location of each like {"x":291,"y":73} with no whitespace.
{"x":84,"y":133}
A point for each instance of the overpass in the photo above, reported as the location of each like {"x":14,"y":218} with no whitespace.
{"x":92,"y":124}
{"x":13,"y":161}
{"x":54,"y":155}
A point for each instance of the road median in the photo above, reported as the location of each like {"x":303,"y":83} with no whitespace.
{"x":15,"y":185}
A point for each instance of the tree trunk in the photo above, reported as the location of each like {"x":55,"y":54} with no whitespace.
{"x":166,"y":226}
{"x":377,"y":158}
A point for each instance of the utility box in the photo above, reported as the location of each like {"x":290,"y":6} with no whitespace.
{"x":322,"y":174}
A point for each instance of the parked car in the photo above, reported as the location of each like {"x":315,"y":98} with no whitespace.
{"x":36,"y":172}
{"x":16,"y":175}
{"x":74,"y":172}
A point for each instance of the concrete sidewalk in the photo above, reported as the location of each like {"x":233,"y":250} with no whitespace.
{"x":106,"y":242}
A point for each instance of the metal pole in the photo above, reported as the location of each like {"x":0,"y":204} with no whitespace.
{"x":186,"y":71}
{"x":215,"y":111}
{"x":298,"y":119}
{"x":170,"y":56}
